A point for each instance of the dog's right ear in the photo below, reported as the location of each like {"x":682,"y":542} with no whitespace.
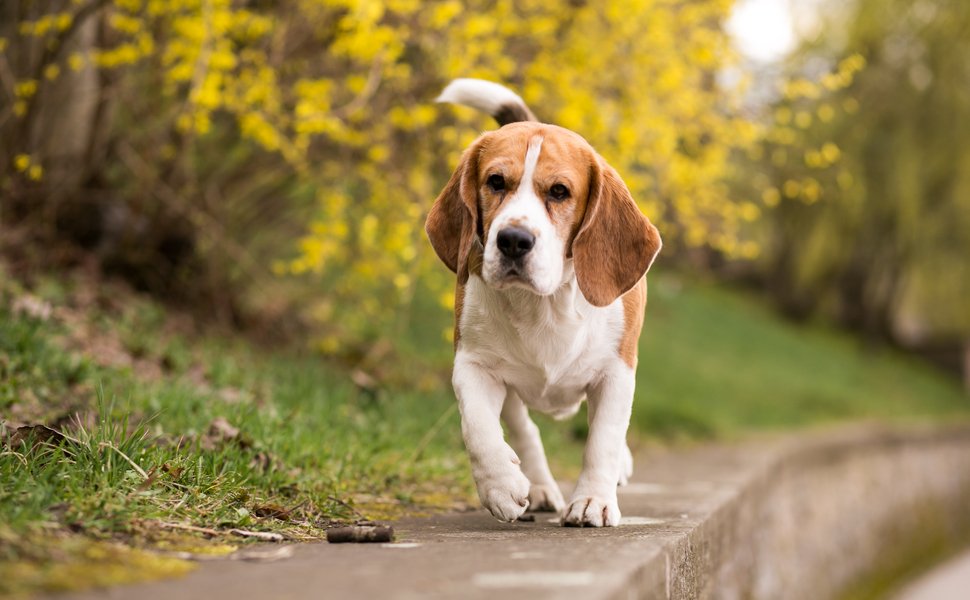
{"x":453,"y":222}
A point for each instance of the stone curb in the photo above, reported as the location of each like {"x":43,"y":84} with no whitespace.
{"x":823,"y":513}
{"x":803,"y":516}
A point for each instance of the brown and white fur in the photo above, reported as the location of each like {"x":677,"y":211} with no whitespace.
{"x":551,"y":254}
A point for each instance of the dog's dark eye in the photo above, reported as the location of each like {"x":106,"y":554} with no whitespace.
{"x":559,"y":192}
{"x":496,"y":182}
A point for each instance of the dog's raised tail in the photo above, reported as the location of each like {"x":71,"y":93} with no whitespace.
{"x":503,"y":104}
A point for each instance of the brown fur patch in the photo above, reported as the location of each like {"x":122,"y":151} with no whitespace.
{"x":616,"y":243}
{"x":459,"y":306}
{"x":634,"y":305}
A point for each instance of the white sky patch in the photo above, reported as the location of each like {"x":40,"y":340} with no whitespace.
{"x":763,"y":30}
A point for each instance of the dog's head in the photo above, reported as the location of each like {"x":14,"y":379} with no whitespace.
{"x":530,"y":205}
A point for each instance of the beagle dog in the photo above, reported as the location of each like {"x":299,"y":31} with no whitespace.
{"x":551,"y":254}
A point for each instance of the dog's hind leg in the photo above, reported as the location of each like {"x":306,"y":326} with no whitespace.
{"x":626,"y":464}
{"x":544,"y":494}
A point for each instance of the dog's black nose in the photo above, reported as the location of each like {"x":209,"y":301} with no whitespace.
{"x":515,"y":242}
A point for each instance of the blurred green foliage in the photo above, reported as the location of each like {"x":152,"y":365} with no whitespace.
{"x":885,"y":248}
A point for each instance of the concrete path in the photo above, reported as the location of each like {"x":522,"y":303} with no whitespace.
{"x":781,"y":518}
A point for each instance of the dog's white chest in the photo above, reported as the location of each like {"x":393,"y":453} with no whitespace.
{"x":546,"y":349}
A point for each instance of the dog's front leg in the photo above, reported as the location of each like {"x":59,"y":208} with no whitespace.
{"x":544,"y":494}
{"x":594,"y":504}
{"x":502,"y":487}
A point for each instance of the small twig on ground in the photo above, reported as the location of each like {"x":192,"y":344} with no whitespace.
{"x":267,"y":536}
{"x":186,"y":527}
{"x":361,"y":534}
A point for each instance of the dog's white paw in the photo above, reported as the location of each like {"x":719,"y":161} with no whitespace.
{"x":546,"y":498}
{"x":506,"y":497}
{"x":592,"y":511}
{"x":626,"y":465}
{"x":503,"y":489}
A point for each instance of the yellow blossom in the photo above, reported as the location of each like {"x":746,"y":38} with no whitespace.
{"x":792,"y":188}
{"x":825,"y":112}
{"x":771,"y":196}
{"x":25,"y":88}
{"x":831,"y":152}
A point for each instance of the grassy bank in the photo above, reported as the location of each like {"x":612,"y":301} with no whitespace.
{"x":719,"y":362}
{"x":124,"y":429}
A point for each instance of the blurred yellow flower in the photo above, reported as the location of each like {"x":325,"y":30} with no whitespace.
{"x":771,"y":196}
{"x":363,"y":141}
{"x":825,"y":112}
{"x":831,"y":152}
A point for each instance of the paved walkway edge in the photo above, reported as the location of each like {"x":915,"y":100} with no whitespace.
{"x":807,"y":515}
{"x":824,"y":514}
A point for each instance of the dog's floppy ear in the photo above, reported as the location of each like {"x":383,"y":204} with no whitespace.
{"x":616,"y":243}
{"x":452,"y":224}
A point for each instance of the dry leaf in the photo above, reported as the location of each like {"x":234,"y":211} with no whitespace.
{"x":39,"y":434}
{"x":271,"y":510}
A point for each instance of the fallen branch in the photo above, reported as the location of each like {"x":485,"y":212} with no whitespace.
{"x":267,"y":536}
{"x":187,"y":527}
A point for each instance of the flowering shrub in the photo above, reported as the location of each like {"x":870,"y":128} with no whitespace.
{"x":333,"y":98}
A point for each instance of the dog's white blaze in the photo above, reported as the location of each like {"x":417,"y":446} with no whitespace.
{"x":531,"y":159}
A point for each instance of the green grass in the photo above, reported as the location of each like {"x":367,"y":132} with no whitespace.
{"x":719,"y":362}
{"x":312,"y":447}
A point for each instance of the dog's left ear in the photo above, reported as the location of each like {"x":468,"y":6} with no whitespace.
{"x":616,"y":243}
